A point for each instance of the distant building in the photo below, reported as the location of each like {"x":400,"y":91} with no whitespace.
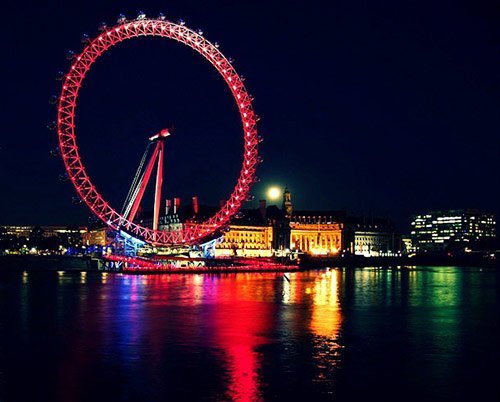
{"x":334,"y":232}
{"x":316,"y":232}
{"x":41,"y":239}
{"x":408,"y":248}
{"x":438,"y":230}
{"x":371,"y":237}
{"x":247,"y":241}
{"x":71,"y":232}
{"x":251,"y":233}
{"x":45,"y":231}
{"x":18,"y":231}
{"x":96,"y":237}
{"x":270,"y":230}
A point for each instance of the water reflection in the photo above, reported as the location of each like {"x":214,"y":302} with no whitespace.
{"x":313,"y":335}
{"x":313,"y":308}
{"x":326,"y":314}
{"x":326,"y":323}
{"x":240,"y":327}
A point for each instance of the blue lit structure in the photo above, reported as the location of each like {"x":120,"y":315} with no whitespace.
{"x":130,"y":244}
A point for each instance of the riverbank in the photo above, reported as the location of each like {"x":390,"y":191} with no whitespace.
{"x":308,"y":262}
{"x":47,"y":263}
{"x":87,"y":263}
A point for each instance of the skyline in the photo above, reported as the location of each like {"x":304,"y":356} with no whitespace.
{"x":382,"y":85}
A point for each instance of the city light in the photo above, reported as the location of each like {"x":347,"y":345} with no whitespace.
{"x":274,"y":193}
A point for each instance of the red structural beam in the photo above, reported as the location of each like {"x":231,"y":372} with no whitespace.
{"x":129,"y":29}
{"x":144,"y":183}
{"x":159,"y":180}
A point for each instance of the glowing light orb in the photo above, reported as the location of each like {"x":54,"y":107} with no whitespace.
{"x":274,"y":193}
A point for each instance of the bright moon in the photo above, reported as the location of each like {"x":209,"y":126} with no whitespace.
{"x":274,"y":193}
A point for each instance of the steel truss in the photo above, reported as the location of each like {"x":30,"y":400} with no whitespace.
{"x":72,"y":82}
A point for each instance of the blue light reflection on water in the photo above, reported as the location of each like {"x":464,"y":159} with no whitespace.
{"x":320,"y":335}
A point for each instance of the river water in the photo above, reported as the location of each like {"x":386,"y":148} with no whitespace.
{"x":417,"y":333}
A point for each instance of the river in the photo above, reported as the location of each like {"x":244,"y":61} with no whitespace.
{"x":414,"y":333}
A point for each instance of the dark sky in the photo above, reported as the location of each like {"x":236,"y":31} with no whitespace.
{"x":379,"y":107}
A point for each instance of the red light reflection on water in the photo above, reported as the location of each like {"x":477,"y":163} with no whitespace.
{"x":232,"y":313}
{"x":230,"y":317}
{"x":241,"y":323}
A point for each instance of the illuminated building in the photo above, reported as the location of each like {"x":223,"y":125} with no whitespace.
{"x":263,"y":232}
{"x":54,"y":231}
{"x":370,"y":237}
{"x":333,"y":232}
{"x":96,"y":237}
{"x":250,"y":234}
{"x":17,"y":231}
{"x":315,"y":233}
{"x":248,"y":241}
{"x":438,"y":230}
{"x":45,"y":231}
{"x":408,"y":246}
{"x":375,"y":244}
{"x":41,"y":239}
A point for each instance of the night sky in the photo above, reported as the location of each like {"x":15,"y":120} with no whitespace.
{"x":377,"y":107}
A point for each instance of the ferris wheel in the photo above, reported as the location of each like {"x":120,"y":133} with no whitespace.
{"x":189,"y":232}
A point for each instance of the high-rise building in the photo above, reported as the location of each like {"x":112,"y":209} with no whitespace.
{"x":436,"y":231}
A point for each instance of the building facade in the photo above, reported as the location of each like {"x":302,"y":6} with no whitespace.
{"x":96,"y":237}
{"x":371,"y":237}
{"x":376,"y":244}
{"x":315,"y":233}
{"x":246,"y":241}
{"x":407,"y":245}
{"x":436,"y":231}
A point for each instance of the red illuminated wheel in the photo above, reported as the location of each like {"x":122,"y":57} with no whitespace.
{"x":190,"y":233}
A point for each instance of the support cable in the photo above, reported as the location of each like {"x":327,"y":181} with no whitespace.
{"x":132,"y":193}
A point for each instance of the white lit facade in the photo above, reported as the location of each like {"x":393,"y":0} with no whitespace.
{"x":376,"y":244}
{"x":435,"y":231}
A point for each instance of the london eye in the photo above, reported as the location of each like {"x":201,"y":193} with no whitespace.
{"x":188,"y":233}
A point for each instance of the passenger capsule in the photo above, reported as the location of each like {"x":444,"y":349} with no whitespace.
{"x":59,"y":76}
{"x":85,"y":39}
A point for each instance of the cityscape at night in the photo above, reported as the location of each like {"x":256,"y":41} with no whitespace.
{"x":250,"y":201}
